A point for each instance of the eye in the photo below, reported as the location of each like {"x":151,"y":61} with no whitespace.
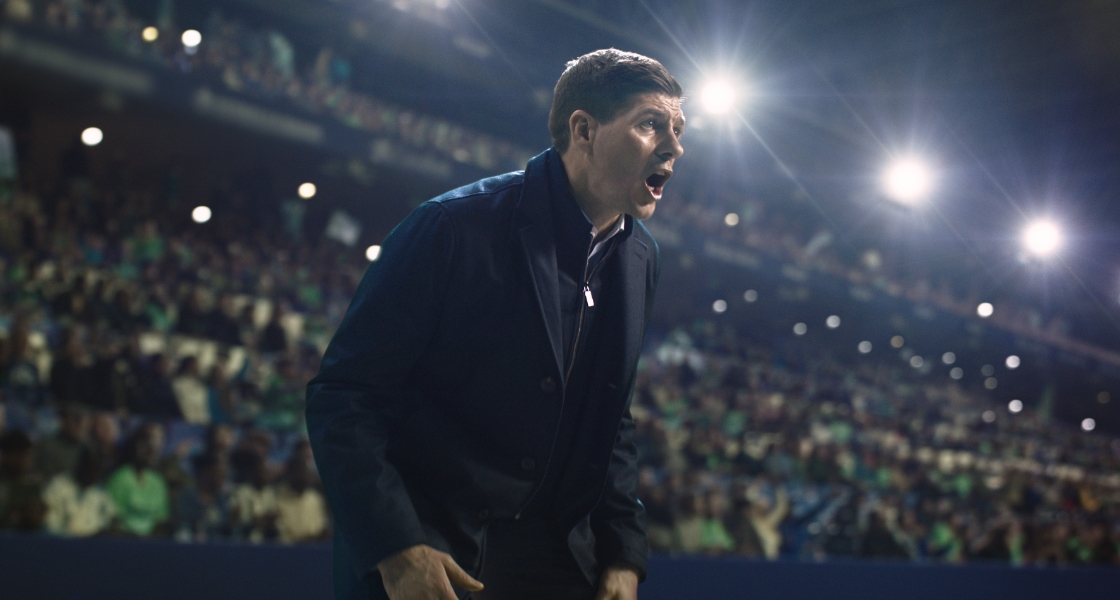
{"x":651,"y":124}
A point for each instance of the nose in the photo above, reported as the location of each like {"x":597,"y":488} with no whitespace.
{"x":671,"y":147}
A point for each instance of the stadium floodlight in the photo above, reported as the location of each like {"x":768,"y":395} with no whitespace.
{"x":717,"y":97}
{"x":1042,"y":238}
{"x":201,"y":214}
{"x":191,"y":38}
{"x":985,"y":310}
{"x":373,"y":252}
{"x":307,"y":190}
{"x":92,"y":136}
{"x":908,"y":181}
{"x":150,"y":34}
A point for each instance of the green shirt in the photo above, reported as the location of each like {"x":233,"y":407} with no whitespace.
{"x":142,"y":502}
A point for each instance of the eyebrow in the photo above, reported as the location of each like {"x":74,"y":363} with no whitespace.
{"x":660,"y":114}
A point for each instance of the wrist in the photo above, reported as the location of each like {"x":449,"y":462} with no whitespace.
{"x":401,"y":561}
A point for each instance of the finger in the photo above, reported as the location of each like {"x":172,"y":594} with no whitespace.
{"x":459,"y":577}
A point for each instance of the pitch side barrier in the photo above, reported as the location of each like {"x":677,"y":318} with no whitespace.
{"x":36,"y":566}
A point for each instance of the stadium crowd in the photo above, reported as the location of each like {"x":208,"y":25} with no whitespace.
{"x":263,"y":63}
{"x":152,"y":385}
{"x":781,"y":450}
{"x":152,"y":372}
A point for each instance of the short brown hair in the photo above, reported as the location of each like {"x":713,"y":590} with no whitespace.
{"x":603,"y":83}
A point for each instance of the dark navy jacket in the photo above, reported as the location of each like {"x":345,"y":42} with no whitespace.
{"x":440,"y":396}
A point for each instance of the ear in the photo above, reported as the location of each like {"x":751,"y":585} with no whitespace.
{"x":582,"y":128}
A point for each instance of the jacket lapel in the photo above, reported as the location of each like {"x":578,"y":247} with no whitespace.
{"x":538,"y":241}
{"x":634,"y":258}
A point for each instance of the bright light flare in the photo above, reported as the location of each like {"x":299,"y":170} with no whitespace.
{"x":908,"y":181}
{"x":373,"y":252}
{"x":985,"y":310}
{"x":307,"y":190}
{"x":1015,"y":406}
{"x":191,"y":38}
{"x":92,"y":136}
{"x":719,"y":306}
{"x":1089,"y":424}
{"x":1042,"y":238}
{"x":717,"y":97}
{"x":150,"y":34}
{"x":201,"y":214}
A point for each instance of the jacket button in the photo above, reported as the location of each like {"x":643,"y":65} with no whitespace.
{"x":483,"y":515}
{"x":548,"y":385}
{"x":528,"y":464}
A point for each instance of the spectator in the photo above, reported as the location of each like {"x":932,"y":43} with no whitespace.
{"x":714,"y":536}
{"x":204,"y":510}
{"x":219,"y":442}
{"x":283,"y":398}
{"x":105,"y":440}
{"x":220,"y":394}
{"x":137,"y":489}
{"x":765,"y":517}
{"x":194,"y":319}
{"x":191,"y":393}
{"x":77,"y":505}
{"x":21,"y":504}
{"x":301,"y":510}
{"x":274,"y":338}
{"x":59,"y":453}
{"x":158,"y":397}
{"x":20,"y":376}
{"x":689,"y":526}
{"x":253,"y":504}
{"x":70,"y":369}
{"x":223,"y":327}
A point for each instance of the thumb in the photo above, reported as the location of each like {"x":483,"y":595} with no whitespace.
{"x":459,"y":577}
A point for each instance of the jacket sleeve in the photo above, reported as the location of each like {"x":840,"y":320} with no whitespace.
{"x":619,"y":520}
{"x":361,"y":387}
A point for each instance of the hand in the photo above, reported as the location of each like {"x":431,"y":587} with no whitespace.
{"x":423,"y":573}
{"x":618,"y":583}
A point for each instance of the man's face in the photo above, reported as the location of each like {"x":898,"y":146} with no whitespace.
{"x":633,"y":154}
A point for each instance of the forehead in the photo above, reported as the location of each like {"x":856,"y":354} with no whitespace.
{"x":656,"y":103}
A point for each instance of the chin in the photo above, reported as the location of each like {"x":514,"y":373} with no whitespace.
{"x":644,"y":211}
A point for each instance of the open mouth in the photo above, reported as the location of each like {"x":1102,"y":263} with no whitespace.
{"x":656,"y":183}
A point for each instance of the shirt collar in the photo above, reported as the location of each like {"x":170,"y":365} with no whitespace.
{"x":574,"y":231}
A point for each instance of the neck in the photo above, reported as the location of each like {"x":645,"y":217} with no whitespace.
{"x":597,"y":211}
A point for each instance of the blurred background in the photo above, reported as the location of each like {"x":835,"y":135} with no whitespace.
{"x":887,"y":330}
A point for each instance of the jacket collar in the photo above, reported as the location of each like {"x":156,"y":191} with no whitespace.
{"x":537,"y":230}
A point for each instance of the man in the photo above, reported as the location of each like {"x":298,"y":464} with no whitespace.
{"x":59,"y":453}
{"x":471,"y":418}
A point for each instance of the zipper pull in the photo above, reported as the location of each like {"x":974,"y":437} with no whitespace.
{"x":587,"y":296}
